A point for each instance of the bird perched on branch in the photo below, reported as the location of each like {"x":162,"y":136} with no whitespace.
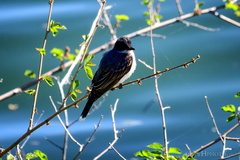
{"x":116,"y":66}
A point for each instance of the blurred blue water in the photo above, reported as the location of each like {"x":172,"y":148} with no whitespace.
{"x":215,"y":75}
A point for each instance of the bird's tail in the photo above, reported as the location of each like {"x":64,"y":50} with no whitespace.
{"x":87,"y":108}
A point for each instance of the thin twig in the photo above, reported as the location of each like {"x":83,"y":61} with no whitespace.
{"x":233,"y":155}
{"x":59,"y":118}
{"x":19,"y":152}
{"x":223,"y":139}
{"x":193,"y":60}
{"x":107,"y":22}
{"x":40,"y":66}
{"x":225,"y":18}
{"x":115,"y":133}
{"x":89,"y":139}
{"x":189,"y":150}
{"x":214,"y":141}
{"x":117,"y":151}
{"x":187,"y":23}
{"x":180,"y":11}
{"x":26,"y":140}
{"x":145,"y":64}
{"x":164,"y":126}
{"x":213,"y":119}
{"x":54,"y":144}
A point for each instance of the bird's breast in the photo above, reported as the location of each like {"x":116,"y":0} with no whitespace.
{"x":133,"y":67}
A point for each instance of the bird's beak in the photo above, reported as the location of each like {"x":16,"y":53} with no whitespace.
{"x":131,"y":48}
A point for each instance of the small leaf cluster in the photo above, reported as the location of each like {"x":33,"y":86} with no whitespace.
{"x":235,"y":7}
{"x":60,"y":54}
{"x":158,"y":153}
{"x":55,"y":26}
{"x":74,"y":92}
{"x":119,"y":18}
{"x":37,"y":154}
{"x":155,"y":13}
{"x":89,"y":74}
{"x":232,"y":109}
{"x":31,"y":74}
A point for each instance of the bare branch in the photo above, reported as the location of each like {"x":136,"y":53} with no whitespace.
{"x":54,"y":144}
{"x":145,"y":64}
{"x":233,"y":155}
{"x":40,"y":67}
{"x":59,"y":118}
{"x":193,"y":60}
{"x":89,"y":139}
{"x":225,"y":18}
{"x":115,"y":133}
{"x":214,"y":141}
{"x":213,"y":119}
{"x":164,"y":126}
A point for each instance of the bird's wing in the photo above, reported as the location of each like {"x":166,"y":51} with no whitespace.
{"x":109,"y":73}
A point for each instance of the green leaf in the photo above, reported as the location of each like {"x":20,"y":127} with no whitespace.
{"x":54,"y":26}
{"x":174,"y":151}
{"x":11,"y":157}
{"x":237,"y":13}
{"x":149,"y":22}
{"x":155,"y":146}
{"x":88,"y":59}
{"x":77,"y":51}
{"x":232,"y":6}
{"x":41,"y":155}
{"x":145,"y":2}
{"x":231,"y":117}
{"x":156,"y":153}
{"x":143,"y":153}
{"x":91,"y":64}
{"x":31,"y":156}
{"x":30,"y":91}
{"x":88,"y":72}
{"x":147,"y":14}
{"x":229,"y":108}
{"x":58,"y":53}
{"x":85,"y":37}
{"x":157,"y":16}
{"x":41,"y":51}
{"x":74,"y":96}
{"x":75,"y":84}
{"x":200,"y":4}
{"x":78,"y":91}
{"x":237,"y":95}
{"x":48,"y":80}
{"x":71,"y":57}
{"x":121,"y":17}
{"x":30,"y":73}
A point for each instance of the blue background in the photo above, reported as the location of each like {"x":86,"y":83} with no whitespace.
{"x":215,"y":75}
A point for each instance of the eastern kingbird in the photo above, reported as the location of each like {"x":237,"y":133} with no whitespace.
{"x":116,"y":66}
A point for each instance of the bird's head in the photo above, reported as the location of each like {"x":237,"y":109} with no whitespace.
{"x":123,"y":43}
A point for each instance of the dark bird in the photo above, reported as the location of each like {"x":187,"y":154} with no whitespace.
{"x":116,"y":66}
